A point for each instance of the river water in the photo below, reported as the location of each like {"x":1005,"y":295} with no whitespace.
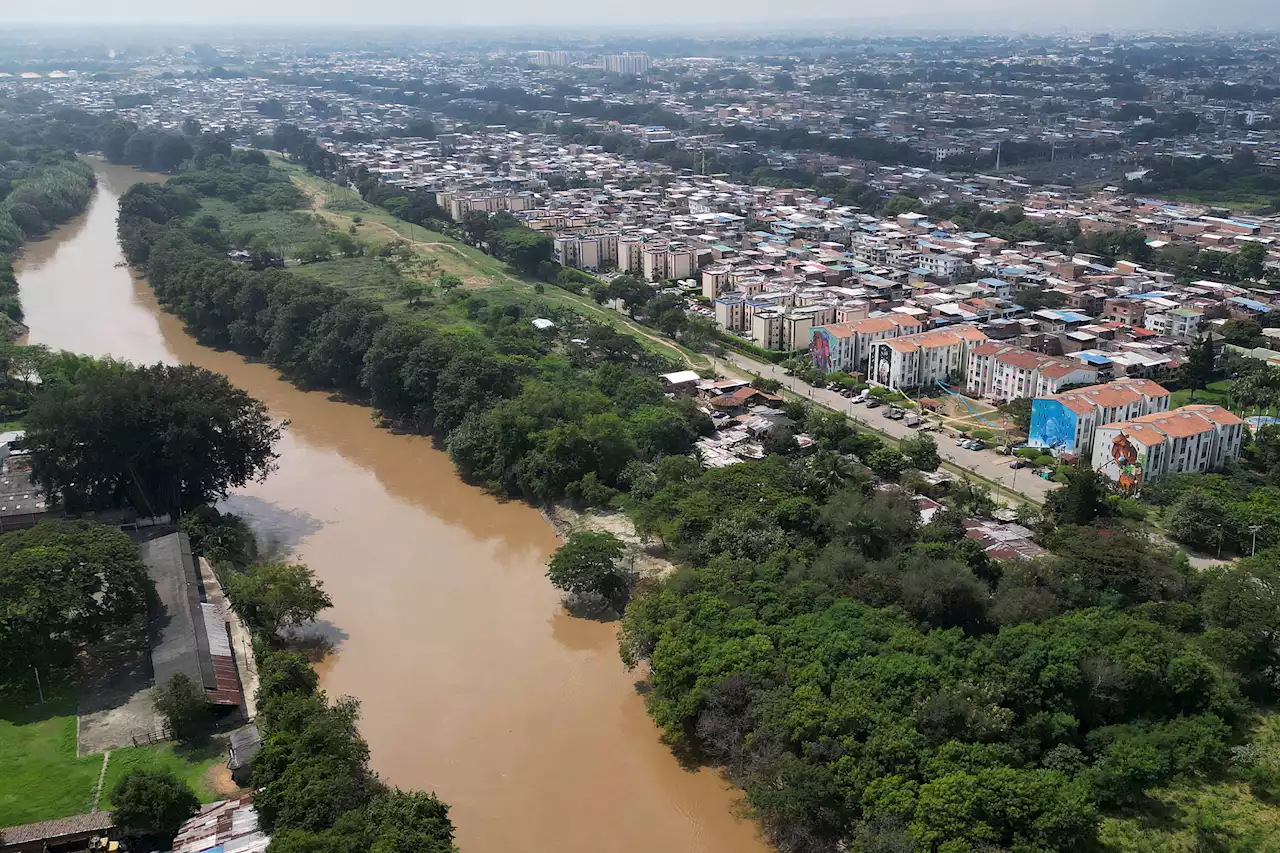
{"x":473,"y":680}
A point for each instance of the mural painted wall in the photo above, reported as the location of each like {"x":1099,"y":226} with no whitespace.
{"x":1129,"y":464}
{"x":1052,"y":425}
{"x":820,"y":349}
{"x":883,"y":368}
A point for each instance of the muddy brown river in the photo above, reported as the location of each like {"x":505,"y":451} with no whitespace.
{"x":474,"y":682}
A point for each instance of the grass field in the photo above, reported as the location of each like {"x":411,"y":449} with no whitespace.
{"x":41,"y":778}
{"x":1242,"y":202}
{"x":481,"y":272}
{"x":1215,"y":394}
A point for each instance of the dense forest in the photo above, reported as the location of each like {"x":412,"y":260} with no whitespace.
{"x":530,"y":412}
{"x":879,"y":685}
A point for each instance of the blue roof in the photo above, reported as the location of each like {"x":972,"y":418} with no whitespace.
{"x":993,"y":282}
{"x":1093,"y":359}
{"x":1152,"y":294}
{"x":1251,"y":304}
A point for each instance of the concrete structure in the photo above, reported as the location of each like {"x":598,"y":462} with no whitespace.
{"x":1065,"y":423}
{"x":913,"y":361}
{"x":1003,"y":372}
{"x":1187,"y":440}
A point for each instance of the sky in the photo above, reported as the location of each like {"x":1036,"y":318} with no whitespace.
{"x":969,"y":15}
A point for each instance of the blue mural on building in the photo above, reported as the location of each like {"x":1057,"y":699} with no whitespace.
{"x":1052,"y":425}
{"x":820,"y":342}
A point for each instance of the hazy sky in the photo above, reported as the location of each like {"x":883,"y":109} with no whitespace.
{"x":921,"y":14}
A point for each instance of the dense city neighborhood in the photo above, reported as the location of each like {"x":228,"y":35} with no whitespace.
{"x":893,"y":417}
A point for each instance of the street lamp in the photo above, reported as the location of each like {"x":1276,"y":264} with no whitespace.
{"x":1254,"y":528}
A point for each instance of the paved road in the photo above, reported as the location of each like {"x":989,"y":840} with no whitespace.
{"x":984,"y":463}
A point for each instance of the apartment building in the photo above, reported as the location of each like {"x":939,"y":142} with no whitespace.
{"x":1128,"y":311}
{"x":549,"y":58}
{"x":1186,"y":440}
{"x":1181,"y":324}
{"x":923,"y":359}
{"x":847,"y":346}
{"x":1003,"y":372}
{"x":460,"y":205}
{"x":587,"y":251}
{"x":627,"y":63}
{"x":1066,"y":423}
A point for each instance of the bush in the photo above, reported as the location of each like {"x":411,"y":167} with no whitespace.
{"x":1030,"y":452}
{"x":983,"y":434}
{"x":1045,"y":461}
{"x":152,"y":802}
{"x":184,"y":708}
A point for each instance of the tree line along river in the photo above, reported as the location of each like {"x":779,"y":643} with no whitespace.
{"x":473,"y":680}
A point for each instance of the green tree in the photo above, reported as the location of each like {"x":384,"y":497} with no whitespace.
{"x":1242,"y":332}
{"x":450,"y":283}
{"x":632,"y":292}
{"x":1199,"y":368}
{"x":1083,"y":499}
{"x":184,"y":707}
{"x":587,"y":564}
{"x":1197,"y":519}
{"x":63,"y":585}
{"x":1250,"y":260}
{"x":163,"y":439}
{"x":152,"y":802}
{"x":921,"y":452}
{"x":902,"y":204}
{"x":888,"y":463}
{"x":275,"y":596}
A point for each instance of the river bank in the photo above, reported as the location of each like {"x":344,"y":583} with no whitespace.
{"x":474,"y":681}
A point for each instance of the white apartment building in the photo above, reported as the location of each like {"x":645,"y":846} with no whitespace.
{"x":943,"y":266}
{"x":1067,"y":422}
{"x":767,"y":328}
{"x":714,"y":280}
{"x":1181,"y":324}
{"x":460,"y":205}
{"x":1004,"y":372}
{"x":627,"y":63}
{"x":923,"y":359}
{"x":847,"y":346}
{"x":586,"y":251}
{"x":1186,"y":440}
{"x":731,"y":312}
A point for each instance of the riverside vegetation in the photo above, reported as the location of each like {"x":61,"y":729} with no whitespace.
{"x":872,"y":683}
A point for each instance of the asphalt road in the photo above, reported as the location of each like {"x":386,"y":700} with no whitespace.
{"x":985,"y":463}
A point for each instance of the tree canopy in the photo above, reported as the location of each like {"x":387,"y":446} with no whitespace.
{"x":161,"y":439}
{"x":152,"y":802}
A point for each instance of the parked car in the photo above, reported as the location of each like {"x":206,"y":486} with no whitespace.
{"x":1020,"y":463}
{"x":873,"y":403}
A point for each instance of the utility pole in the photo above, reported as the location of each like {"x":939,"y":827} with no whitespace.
{"x":1254,"y":528}
{"x":39,"y":688}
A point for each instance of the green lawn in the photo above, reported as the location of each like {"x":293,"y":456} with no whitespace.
{"x":189,"y":763}
{"x":1215,"y":394}
{"x":41,"y":778}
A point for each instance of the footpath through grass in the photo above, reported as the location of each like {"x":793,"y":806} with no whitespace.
{"x":42,"y":779}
